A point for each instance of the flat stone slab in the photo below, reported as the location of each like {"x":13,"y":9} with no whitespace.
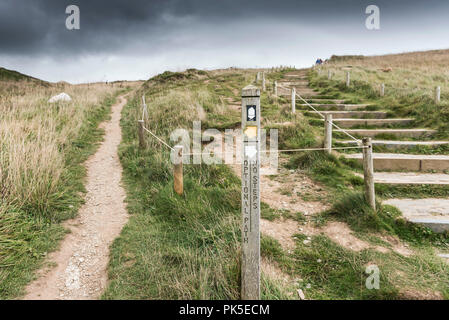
{"x":406,"y":162}
{"x":414,"y":133}
{"x":294,"y":83}
{"x":337,"y":101}
{"x":340,"y":107}
{"x":299,"y":76}
{"x":355,"y":114}
{"x":349,"y":122}
{"x":410,"y":178}
{"x":431,"y":212}
{"x":400,"y":144}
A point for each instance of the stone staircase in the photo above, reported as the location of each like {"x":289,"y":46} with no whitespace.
{"x":391,"y":168}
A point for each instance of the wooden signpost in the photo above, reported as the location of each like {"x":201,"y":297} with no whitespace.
{"x":250,"y":272}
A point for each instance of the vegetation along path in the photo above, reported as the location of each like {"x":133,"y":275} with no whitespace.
{"x":78,"y":269}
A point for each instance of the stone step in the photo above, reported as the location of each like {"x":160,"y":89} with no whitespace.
{"x":413,"y":133}
{"x":298,"y":76}
{"x":294,"y":83}
{"x":392,"y":144}
{"x":340,"y":107}
{"x":335,"y":101}
{"x":310,"y":94}
{"x":355,"y":114}
{"x":405,"y":162}
{"x":431,"y":213}
{"x":410,"y":178}
{"x":348,"y":122}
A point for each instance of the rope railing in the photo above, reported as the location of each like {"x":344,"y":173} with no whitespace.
{"x":145,"y":111}
{"x":333,"y":124}
{"x":159,"y":139}
{"x":366,"y":146}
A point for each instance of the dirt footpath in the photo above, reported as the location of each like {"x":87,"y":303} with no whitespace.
{"x":78,"y":269}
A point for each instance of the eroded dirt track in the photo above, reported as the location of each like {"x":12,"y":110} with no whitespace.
{"x":78,"y":269}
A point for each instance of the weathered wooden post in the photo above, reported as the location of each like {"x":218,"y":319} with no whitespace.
{"x":437,"y":95}
{"x":348,"y":78}
{"x":142,"y":143}
{"x":382,"y":89}
{"x":263,"y":81}
{"x":258,"y":76}
{"x":275,"y":88}
{"x":368,"y":172}
{"x":329,"y":75}
{"x":250,"y":273}
{"x":178,"y":170}
{"x":328,"y":133}
{"x":293,"y":100}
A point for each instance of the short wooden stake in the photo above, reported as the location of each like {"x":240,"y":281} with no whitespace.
{"x":348,"y":78}
{"x":328,"y":133}
{"x":329,"y":75}
{"x":142,"y":143}
{"x":437,"y":95}
{"x":293,"y":100}
{"x":275,"y":88}
{"x":368,"y":172}
{"x":250,"y":273}
{"x":178,"y":171}
{"x":382,"y":89}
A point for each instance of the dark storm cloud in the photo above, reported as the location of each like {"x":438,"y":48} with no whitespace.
{"x":134,"y":39}
{"x":38,"y":26}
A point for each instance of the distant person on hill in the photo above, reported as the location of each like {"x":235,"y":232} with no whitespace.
{"x":319,"y":61}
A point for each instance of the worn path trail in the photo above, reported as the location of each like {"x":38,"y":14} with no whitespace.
{"x":81,"y":261}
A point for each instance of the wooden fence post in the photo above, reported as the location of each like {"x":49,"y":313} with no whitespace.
{"x":328,"y":133}
{"x":178,"y":170}
{"x":250,"y":273}
{"x":293,"y":100}
{"x":368,"y":172}
{"x":348,"y":78}
{"x":329,"y":75}
{"x":263,"y":81}
{"x":142,"y":143}
{"x":437,"y":95}
{"x":382,"y":89}
{"x":275,"y":88}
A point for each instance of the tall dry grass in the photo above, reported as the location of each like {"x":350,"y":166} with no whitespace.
{"x":34,"y":136}
{"x":406,"y":73}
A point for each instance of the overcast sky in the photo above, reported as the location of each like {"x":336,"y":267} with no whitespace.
{"x":136,"y":39}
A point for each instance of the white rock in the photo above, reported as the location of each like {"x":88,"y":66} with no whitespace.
{"x":309,"y":286}
{"x":60,"y":97}
{"x":301,"y":294}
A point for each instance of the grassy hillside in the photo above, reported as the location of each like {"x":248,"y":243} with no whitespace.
{"x":410,"y":80}
{"x":10,"y":75}
{"x":188,"y":247}
{"x":42,"y":149}
{"x":181,"y":247}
